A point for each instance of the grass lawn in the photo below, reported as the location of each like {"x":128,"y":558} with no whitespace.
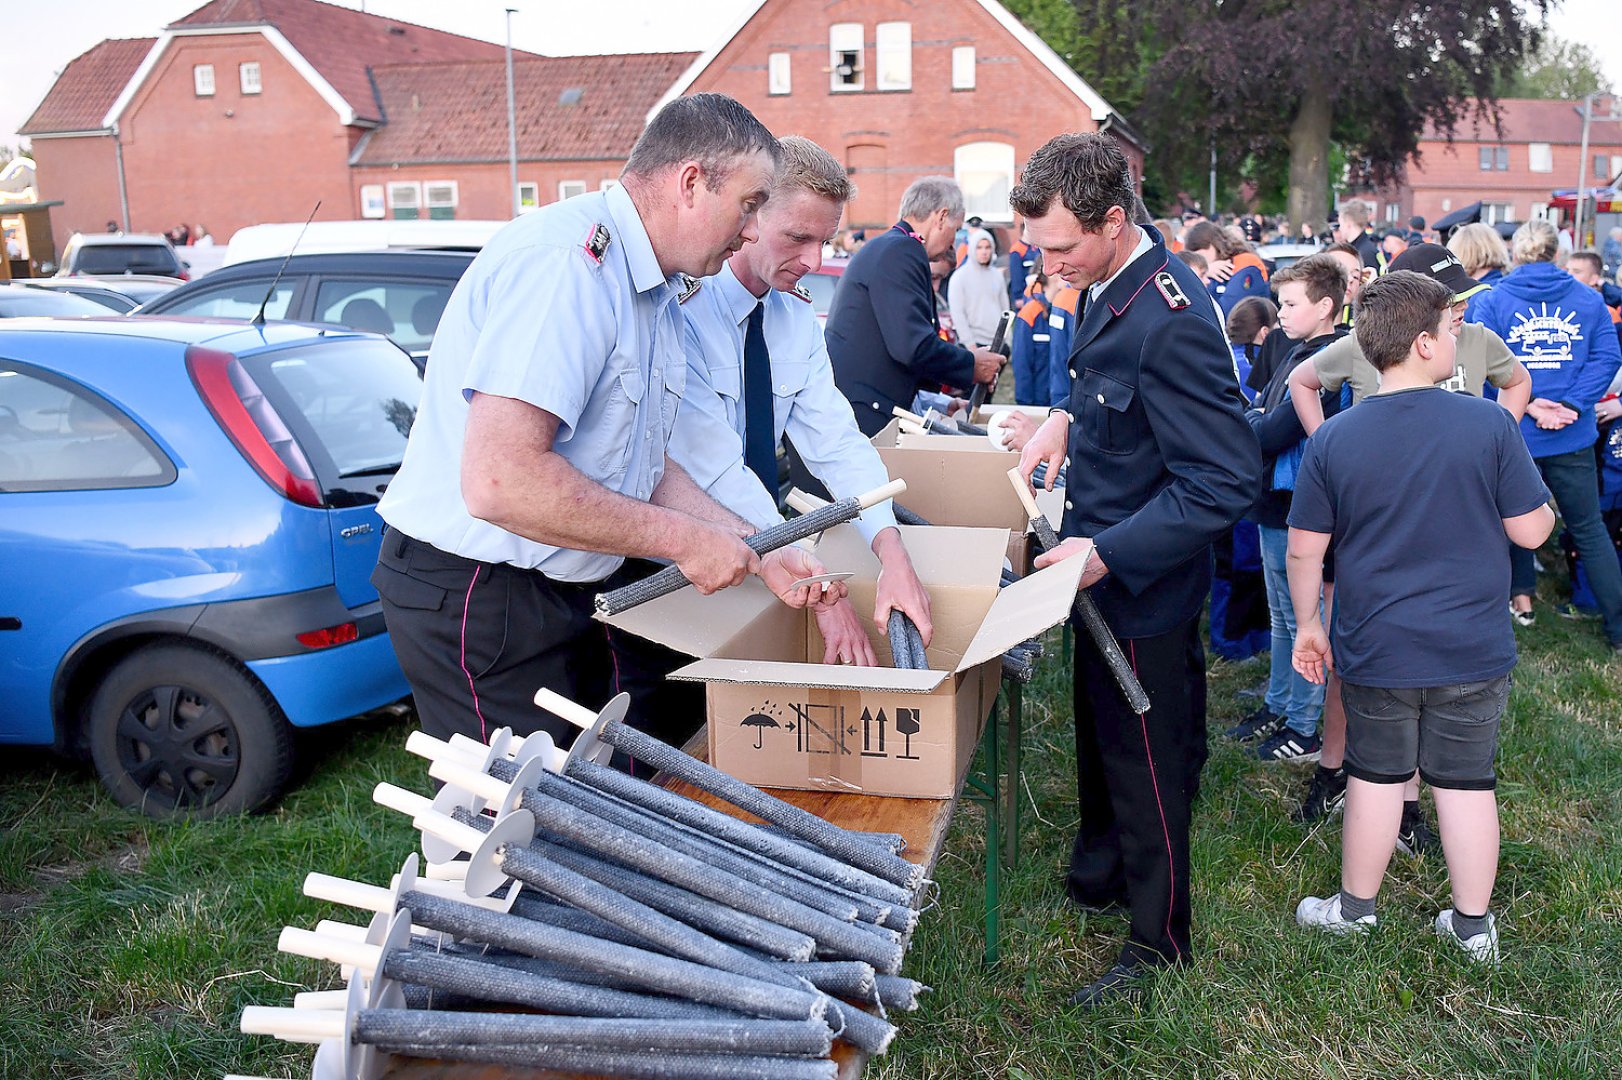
{"x":129,"y":947}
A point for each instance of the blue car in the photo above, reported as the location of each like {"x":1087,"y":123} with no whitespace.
{"x":188,"y":523}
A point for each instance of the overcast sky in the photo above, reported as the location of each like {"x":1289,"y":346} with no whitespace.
{"x":40,"y":38}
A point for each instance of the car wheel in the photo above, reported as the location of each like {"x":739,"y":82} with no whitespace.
{"x":181,"y":731}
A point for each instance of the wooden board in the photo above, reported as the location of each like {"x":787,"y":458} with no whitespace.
{"x":924,"y":823}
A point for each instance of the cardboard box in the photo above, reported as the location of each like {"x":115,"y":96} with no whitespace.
{"x":778,"y":717}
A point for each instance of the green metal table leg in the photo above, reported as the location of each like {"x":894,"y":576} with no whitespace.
{"x":1014,"y":692}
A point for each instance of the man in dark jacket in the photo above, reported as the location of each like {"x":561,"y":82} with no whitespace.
{"x":1353,"y":228}
{"x":1161,"y":463}
{"x":881,"y":331}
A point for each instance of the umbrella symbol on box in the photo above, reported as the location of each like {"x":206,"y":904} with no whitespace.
{"x":760,"y":722}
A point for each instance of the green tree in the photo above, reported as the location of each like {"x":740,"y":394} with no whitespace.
{"x":1558,"y":69}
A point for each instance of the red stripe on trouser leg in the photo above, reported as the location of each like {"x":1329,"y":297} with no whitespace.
{"x":467,"y":601}
{"x":1165,"y":830}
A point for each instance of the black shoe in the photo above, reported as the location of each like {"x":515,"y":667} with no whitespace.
{"x":1326,"y":796}
{"x":1286,"y":745}
{"x":1122,"y":980}
{"x":1258,"y":725}
{"x":1415,"y":837}
{"x":1102,"y":907}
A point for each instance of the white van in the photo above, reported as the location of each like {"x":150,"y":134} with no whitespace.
{"x":277,"y":239}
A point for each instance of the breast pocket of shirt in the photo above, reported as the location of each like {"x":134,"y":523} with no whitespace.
{"x":1108,"y":420}
{"x":625,"y":396}
{"x":788,"y":379}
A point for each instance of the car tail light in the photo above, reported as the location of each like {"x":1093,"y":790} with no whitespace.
{"x":252,"y":424}
{"x":342,"y":634}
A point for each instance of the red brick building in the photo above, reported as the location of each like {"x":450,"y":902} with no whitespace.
{"x":1511,"y":172}
{"x":898,"y":90}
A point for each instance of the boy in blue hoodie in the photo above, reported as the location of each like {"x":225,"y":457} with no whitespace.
{"x":1560,"y":329}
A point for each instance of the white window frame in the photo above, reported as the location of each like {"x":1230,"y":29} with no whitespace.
{"x":568,"y":189}
{"x":779,"y":74}
{"x":249,"y":77}
{"x":202,"y":80}
{"x":1494,"y":212}
{"x":428,"y":192}
{"x":372,"y":201}
{"x":892,"y":50}
{"x":397,"y":188}
{"x":1540,"y":212}
{"x":843,"y":38}
{"x":528,"y":196}
{"x":963,"y":67}
{"x":1540,"y":157}
{"x":973,"y":164}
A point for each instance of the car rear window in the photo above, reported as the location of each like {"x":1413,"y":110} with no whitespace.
{"x":351,"y":404}
{"x":125,"y":259}
{"x":406,"y":311}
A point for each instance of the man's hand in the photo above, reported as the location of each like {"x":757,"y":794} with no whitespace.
{"x":1220,"y":269}
{"x":843,"y":639}
{"x":1550,"y":415}
{"x":1311,"y":656}
{"x":1049,"y":444}
{"x":986,"y":365}
{"x":899,"y":587}
{"x":782,"y":568}
{"x":956,"y":405}
{"x":713,"y":558}
{"x":1076,"y":547}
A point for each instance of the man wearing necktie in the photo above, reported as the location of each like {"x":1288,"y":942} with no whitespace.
{"x":757,"y":367}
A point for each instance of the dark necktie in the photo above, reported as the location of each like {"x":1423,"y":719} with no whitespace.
{"x":759,"y":426}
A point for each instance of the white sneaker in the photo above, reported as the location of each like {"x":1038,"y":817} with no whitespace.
{"x":1323,"y":913}
{"x":1482,"y":947}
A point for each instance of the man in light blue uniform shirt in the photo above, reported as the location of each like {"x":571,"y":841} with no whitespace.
{"x":537,"y":461}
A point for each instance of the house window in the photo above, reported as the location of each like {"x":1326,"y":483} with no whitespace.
{"x":985,"y":172}
{"x":608,"y":185}
{"x":893,"y":44}
{"x":440,"y":195}
{"x":1540,"y":211}
{"x":1606,"y":167}
{"x":1494,"y":158}
{"x":529,"y":196}
{"x":845,"y":56}
{"x":405,"y":200}
{"x":1393,"y":211}
{"x":568,"y":189}
{"x":1494,"y":212}
{"x":963,"y":67}
{"x":248,"y":76}
{"x":202,"y":80}
{"x":777,"y":73}
{"x":1540,"y":157}
{"x":371,"y":200}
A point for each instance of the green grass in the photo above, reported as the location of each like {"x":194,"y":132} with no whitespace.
{"x":130,"y":947}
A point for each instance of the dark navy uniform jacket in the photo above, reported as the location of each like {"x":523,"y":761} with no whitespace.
{"x":881,"y":331}
{"x":1162,"y":461}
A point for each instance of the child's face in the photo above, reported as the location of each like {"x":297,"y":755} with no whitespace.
{"x":1298,"y":316}
{"x":1443,"y":348}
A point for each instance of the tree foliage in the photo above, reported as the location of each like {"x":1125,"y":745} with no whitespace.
{"x":1558,"y":69}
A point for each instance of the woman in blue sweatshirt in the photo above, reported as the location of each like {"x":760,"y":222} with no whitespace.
{"x":1561,"y":330}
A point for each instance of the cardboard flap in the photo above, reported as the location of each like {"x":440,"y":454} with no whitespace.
{"x":957,"y":443}
{"x":820,"y":676}
{"x":693,"y":623}
{"x":1024,"y":610}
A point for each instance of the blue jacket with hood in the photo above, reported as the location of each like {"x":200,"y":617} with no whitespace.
{"x":1560,"y":329}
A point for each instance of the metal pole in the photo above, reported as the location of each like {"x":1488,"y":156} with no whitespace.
{"x":1582,"y":175}
{"x":123,"y":192}
{"x":1210,"y":209}
{"x":512,"y":121}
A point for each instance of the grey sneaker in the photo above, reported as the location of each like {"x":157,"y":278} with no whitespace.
{"x":1482,"y":947}
{"x":1323,"y":913}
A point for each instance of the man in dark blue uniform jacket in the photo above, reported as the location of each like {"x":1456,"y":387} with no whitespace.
{"x":881,"y":331}
{"x":1161,"y":464}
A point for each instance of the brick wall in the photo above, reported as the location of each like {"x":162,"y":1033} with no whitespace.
{"x":83,"y":173}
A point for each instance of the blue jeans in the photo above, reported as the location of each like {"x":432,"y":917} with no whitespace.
{"x":1288,"y":694}
{"x":1573,"y":480}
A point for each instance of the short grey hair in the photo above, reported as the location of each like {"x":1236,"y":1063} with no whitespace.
{"x":1534,"y":242}
{"x":809,"y":167}
{"x":711,"y":129}
{"x":928,"y":194}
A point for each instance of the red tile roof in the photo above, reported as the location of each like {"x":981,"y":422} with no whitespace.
{"x":341,"y":43}
{"x":458,"y":112}
{"x":1532,"y":120}
{"x":87,"y":87}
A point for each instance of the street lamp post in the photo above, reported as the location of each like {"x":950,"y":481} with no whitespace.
{"x":512,"y":121}
{"x":1582,"y":174}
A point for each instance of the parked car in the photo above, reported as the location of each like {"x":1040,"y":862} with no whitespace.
{"x":400,"y":294}
{"x":121,"y":253}
{"x":20,"y":301}
{"x":276,"y":239}
{"x":1277,"y":256}
{"x":822,"y":283}
{"x":190,"y":526}
{"x":141,"y":288}
{"x":105,"y":298}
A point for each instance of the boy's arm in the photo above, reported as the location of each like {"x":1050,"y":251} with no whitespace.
{"x":1530,"y":530}
{"x":1305,"y":387}
{"x":1516,"y":394}
{"x":1304,"y":566}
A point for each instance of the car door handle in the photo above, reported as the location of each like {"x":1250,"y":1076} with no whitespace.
{"x":10,"y":622}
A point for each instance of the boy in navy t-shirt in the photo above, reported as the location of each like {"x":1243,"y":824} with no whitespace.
{"x":1422,"y":492}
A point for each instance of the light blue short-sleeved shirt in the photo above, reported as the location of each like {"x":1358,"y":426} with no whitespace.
{"x":549,"y":316}
{"x":709,"y":436}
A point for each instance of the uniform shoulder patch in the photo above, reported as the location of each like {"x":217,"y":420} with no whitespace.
{"x":597,"y":242}
{"x":802,"y":292}
{"x":689,"y":288}
{"x":1170,"y":291}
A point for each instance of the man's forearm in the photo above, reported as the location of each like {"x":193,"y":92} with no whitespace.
{"x":678,"y":491}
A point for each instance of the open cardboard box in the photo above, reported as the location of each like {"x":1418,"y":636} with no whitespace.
{"x":778,"y":717}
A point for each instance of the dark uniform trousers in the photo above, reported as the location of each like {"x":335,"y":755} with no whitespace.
{"x":672,"y":711}
{"x":1136,"y":779}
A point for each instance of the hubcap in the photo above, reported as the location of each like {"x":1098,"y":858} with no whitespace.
{"x":178,"y":746}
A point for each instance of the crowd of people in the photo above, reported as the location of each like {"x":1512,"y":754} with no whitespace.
{"x":615,"y":373}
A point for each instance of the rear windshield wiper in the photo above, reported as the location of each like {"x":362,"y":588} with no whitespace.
{"x":375,"y":470}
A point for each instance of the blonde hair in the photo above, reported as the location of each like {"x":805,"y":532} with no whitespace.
{"x":809,"y":167}
{"x":1358,"y":210}
{"x":1479,"y":247}
{"x":1535,"y":241}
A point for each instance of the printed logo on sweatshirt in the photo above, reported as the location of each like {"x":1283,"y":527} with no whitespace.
{"x":1544,"y":339}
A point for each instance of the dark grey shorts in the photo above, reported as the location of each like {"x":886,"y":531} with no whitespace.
{"x":1449,"y":733}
